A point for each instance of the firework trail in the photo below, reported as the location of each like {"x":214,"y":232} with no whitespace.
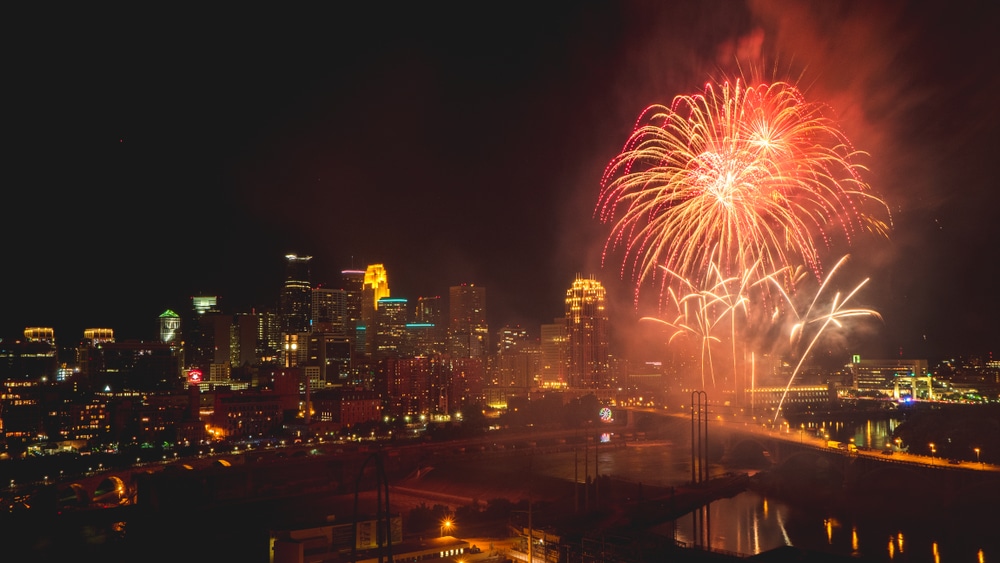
{"x":820,"y":319}
{"x":755,"y":174}
{"x":703,"y":308}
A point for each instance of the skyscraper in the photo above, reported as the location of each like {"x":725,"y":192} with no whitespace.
{"x":555,"y":354}
{"x":376,"y":286}
{"x":468,"y":333}
{"x":389,"y":334}
{"x":170,"y":327}
{"x":587,"y":329}
{"x":329,"y":310}
{"x":294,"y":307}
{"x":353,"y":282}
{"x":205,"y":331}
{"x":295,"y":303}
{"x":430,"y":313}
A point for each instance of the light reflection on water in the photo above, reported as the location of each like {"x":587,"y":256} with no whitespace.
{"x":749,"y":523}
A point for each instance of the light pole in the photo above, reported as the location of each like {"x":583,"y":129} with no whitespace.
{"x":977,"y":456}
{"x":933,"y":451}
{"x":445,"y":525}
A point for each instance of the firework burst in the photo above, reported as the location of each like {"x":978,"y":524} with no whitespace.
{"x":753,"y":178}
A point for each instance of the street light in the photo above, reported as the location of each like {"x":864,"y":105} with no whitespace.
{"x":933,"y":451}
{"x":446,"y":524}
{"x":977,"y":456}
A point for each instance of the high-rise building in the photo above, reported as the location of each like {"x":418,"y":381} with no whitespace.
{"x":295,"y":307}
{"x":40,"y":334}
{"x":554,"y":344}
{"x":468,"y":333}
{"x":206,"y":333}
{"x":295,"y":304}
{"x":429,"y":314}
{"x":376,"y":287}
{"x":268,"y":337}
{"x":99,"y":336}
{"x":329,"y":310}
{"x":170,"y":327}
{"x":353,"y":282}
{"x":244,"y":344}
{"x":587,"y":329}
{"x":35,"y":358}
{"x":517,"y":361}
{"x":202,"y":304}
{"x":390,"y":335}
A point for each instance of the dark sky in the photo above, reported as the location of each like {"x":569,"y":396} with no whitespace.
{"x":152,"y":157}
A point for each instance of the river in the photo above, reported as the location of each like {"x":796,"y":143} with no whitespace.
{"x":750,"y":523}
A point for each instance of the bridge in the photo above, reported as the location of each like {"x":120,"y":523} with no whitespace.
{"x":796,"y":458}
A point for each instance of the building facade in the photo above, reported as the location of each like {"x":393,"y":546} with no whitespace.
{"x":587,"y":330}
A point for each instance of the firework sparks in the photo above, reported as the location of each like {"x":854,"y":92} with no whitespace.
{"x":701,"y":309}
{"x":753,"y":173}
{"x":819,"y":320}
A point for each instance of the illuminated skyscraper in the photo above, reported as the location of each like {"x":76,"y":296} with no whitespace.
{"x":205,"y":303}
{"x":587,"y":329}
{"x":376,"y":286}
{"x":99,"y":335}
{"x":40,"y":334}
{"x":170,"y":327}
{"x":206,"y":333}
{"x":296,"y":295}
{"x":40,"y":351}
{"x":468,"y":333}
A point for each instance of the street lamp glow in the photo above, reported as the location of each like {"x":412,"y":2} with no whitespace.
{"x":977,"y":455}
{"x":445,"y":525}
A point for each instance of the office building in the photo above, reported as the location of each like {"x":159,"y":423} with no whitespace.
{"x":429,"y":314}
{"x":295,"y":303}
{"x":376,"y":287}
{"x":554,"y":344}
{"x":468,"y":332}
{"x":587,"y":329}
{"x":390,"y":337}
{"x":329,"y":310}
{"x":353,"y":284}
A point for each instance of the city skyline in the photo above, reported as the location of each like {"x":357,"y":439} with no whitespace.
{"x":155,"y":162}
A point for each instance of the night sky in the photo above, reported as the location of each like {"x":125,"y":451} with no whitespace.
{"x":152,"y":157}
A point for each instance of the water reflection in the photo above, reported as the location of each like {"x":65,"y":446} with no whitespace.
{"x":872,"y":434}
{"x":750,"y":523}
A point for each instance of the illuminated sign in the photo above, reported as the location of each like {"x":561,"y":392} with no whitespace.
{"x":194,"y":376}
{"x":606,"y":415}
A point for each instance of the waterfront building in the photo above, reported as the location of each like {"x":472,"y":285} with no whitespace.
{"x":898,"y":378}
